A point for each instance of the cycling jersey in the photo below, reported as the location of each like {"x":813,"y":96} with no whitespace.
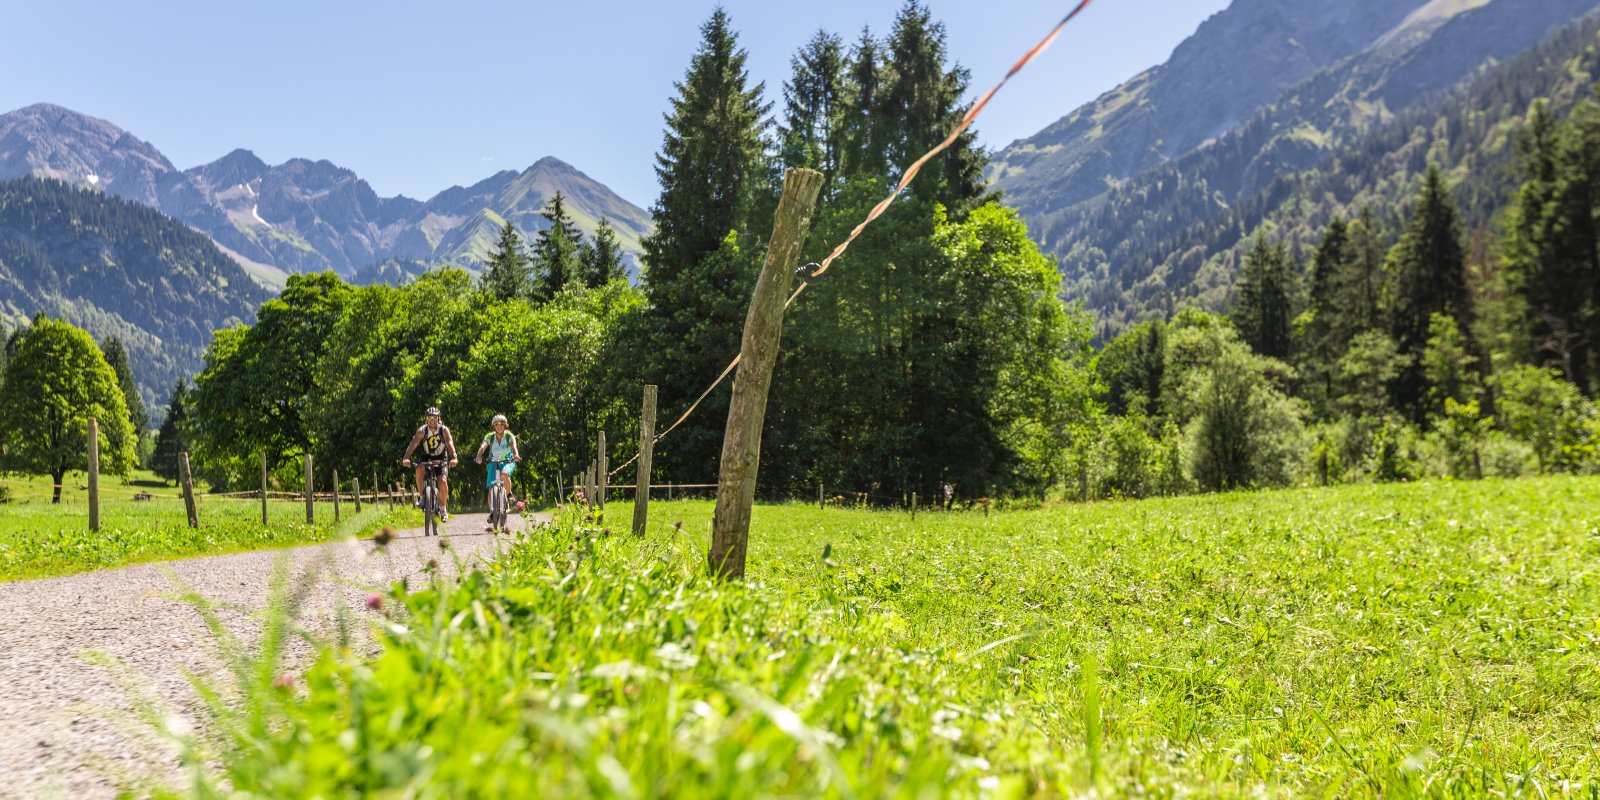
{"x":501,"y":448}
{"x":432,"y":445}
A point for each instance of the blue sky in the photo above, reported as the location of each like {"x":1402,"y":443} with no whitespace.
{"x":416,"y":97}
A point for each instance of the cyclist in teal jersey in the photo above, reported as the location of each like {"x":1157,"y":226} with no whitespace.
{"x":503,"y":455}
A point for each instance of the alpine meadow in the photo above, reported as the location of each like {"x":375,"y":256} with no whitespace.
{"x":1235,"y":435}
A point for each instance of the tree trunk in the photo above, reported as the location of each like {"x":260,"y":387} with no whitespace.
{"x":55,"y":494}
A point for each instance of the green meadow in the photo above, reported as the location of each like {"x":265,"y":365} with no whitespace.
{"x":1429,"y":639}
{"x":40,"y":539}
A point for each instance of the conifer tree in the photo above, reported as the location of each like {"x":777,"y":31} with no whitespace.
{"x":601,"y":257}
{"x":505,"y":273}
{"x":862,"y":129}
{"x":922,"y":102}
{"x":698,"y":273}
{"x":171,"y":440}
{"x":555,"y":252}
{"x":813,"y":102}
{"x":1324,"y":331}
{"x":1427,"y":270}
{"x":1552,"y":244}
{"x":117,"y":356}
{"x":711,"y":153}
{"x":1262,"y":311}
{"x":1358,"y":282}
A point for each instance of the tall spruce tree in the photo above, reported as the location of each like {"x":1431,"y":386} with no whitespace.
{"x":862,"y":130}
{"x":698,"y":273}
{"x":922,"y":98}
{"x":601,"y":257}
{"x":1324,"y":331}
{"x":1427,"y":271}
{"x":171,"y":440}
{"x":1262,"y":311}
{"x":117,"y":356}
{"x":505,"y":272}
{"x":555,"y":252}
{"x":1551,"y":241}
{"x":710,"y":154}
{"x":810,"y":135}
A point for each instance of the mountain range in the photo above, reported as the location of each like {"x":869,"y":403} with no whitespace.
{"x":304,"y":215}
{"x":1147,"y":194}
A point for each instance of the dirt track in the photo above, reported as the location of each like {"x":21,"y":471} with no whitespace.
{"x":65,"y":727}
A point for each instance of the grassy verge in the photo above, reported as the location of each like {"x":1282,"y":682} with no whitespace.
{"x":1429,"y":639}
{"x":39,"y":539}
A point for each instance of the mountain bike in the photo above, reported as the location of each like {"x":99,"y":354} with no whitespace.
{"x":498,"y":502}
{"x":431,"y":509}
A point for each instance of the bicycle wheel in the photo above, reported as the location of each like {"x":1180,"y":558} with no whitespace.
{"x":430,"y":511}
{"x":497,"y":506}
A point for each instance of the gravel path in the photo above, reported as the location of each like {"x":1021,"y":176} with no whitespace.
{"x":65,"y":729}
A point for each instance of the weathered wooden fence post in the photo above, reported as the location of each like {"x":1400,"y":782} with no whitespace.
{"x":377,"y":490}
{"x":647,"y":441}
{"x":336,"y":495}
{"x":763,"y":326}
{"x":263,"y":488}
{"x":356,"y":484}
{"x":94,"y":474}
{"x":821,"y":505}
{"x":188,"y":490}
{"x":913,"y":505}
{"x":601,"y":463}
{"x":310,"y":516}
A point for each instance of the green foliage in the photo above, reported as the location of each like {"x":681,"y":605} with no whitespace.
{"x":1132,"y":368}
{"x":172,"y":439}
{"x":969,"y":655}
{"x":1365,"y":371}
{"x":556,"y":253}
{"x":1427,"y":277}
{"x":1241,"y":429}
{"x":256,"y":392}
{"x":55,"y":382}
{"x":1552,"y":239}
{"x":1264,"y":307}
{"x":601,"y":257}
{"x":1548,"y":413}
{"x":1450,"y":368}
{"x":505,"y":271}
{"x":117,"y":356}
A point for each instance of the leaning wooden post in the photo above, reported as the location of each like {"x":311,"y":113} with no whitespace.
{"x":310,"y":516}
{"x":356,"y":484}
{"x":336,"y":495}
{"x":188,"y":490}
{"x":601,"y":463}
{"x":94,"y":475}
{"x":377,"y":490}
{"x":913,"y":505}
{"x":763,"y":325}
{"x":647,"y":440}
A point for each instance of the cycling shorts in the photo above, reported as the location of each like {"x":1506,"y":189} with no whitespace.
{"x":495,"y":468}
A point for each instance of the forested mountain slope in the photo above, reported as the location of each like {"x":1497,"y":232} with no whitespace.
{"x":118,"y":268}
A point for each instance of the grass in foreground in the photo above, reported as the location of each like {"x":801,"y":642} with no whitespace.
{"x":38,"y":539}
{"x":1433,"y":639}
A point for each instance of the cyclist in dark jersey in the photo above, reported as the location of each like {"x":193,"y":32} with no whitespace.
{"x":434,"y":440}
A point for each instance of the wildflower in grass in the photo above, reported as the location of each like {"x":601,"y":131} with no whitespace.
{"x":374,"y":602}
{"x":384,"y":537}
{"x":431,"y":566}
{"x":678,"y":526}
{"x":605,"y":532}
{"x":444,"y":544}
{"x":283,"y":682}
